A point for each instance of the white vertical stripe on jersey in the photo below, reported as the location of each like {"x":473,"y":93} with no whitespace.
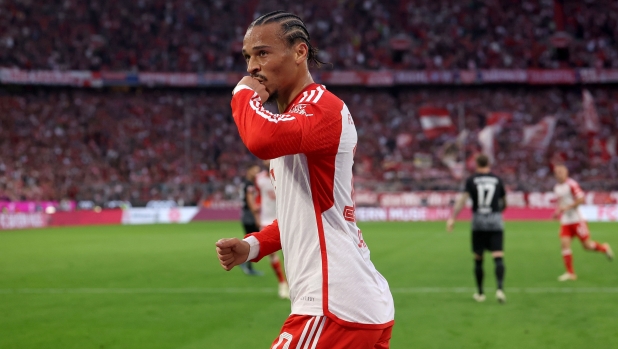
{"x":320,"y":92}
{"x":302,"y":336}
{"x":317,"y":335}
{"x":304,"y":96}
{"x":310,"y":337}
{"x":310,"y":96}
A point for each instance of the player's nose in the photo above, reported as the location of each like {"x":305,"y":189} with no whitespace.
{"x":252,"y":66}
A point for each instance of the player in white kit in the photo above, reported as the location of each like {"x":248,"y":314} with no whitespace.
{"x":572,"y":224}
{"x":339,"y":299}
{"x":268,"y":214}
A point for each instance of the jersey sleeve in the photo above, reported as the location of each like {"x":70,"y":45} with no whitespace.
{"x":269,"y":239}
{"x":501,"y":188}
{"x":576,"y":190}
{"x":251,"y":188}
{"x":268,"y":136}
{"x":502,"y":195}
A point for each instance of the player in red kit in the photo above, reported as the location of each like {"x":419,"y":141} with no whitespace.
{"x":572,"y":224}
{"x":339,"y":299}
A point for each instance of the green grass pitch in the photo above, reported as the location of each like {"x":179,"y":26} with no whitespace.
{"x":160,"y":286}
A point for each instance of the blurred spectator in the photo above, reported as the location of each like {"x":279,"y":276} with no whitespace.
{"x":195,"y":36}
{"x":88,"y":145}
{"x":182,"y":145}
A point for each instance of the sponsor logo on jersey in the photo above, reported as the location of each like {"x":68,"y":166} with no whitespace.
{"x":348,"y":214}
{"x":300,"y":109}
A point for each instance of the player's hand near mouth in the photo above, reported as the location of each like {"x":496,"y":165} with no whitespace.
{"x":256,"y":86}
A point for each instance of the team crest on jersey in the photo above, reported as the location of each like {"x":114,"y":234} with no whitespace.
{"x":300,"y":109}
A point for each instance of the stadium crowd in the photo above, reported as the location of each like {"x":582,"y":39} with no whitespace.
{"x":183,"y":145}
{"x":195,"y":36}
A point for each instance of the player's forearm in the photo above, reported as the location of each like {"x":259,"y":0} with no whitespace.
{"x":255,"y":210}
{"x":459,"y":205}
{"x":266,"y":135}
{"x":575,"y":204}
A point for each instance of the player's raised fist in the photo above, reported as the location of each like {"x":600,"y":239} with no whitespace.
{"x":256,"y":85}
{"x":232,"y":252}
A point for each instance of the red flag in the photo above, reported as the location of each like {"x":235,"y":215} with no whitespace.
{"x":590,"y":115}
{"x":602,"y":150}
{"x":435,"y":121}
{"x":498,"y":117}
{"x":539,"y":135}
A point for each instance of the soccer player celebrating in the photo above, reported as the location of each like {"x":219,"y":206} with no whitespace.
{"x":250,"y":211}
{"x":572,"y":224}
{"x":339,"y":299}
{"x":268,"y":213}
{"x":488,"y":201}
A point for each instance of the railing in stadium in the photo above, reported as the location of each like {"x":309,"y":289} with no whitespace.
{"x":383,"y":78}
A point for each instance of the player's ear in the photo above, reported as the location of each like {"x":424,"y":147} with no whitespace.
{"x":301,"y":51}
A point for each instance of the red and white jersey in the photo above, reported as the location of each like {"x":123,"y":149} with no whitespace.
{"x":327,"y":262}
{"x":566,"y":194}
{"x":268,"y":209}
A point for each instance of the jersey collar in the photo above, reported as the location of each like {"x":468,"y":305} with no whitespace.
{"x":298,"y":97}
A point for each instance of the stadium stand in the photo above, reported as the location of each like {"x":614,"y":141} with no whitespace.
{"x":182,"y":144}
{"x":193,"y":36}
{"x":136,"y":144}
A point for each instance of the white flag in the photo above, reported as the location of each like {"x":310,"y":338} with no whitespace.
{"x":539,"y":135}
{"x":590,"y":115}
{"x":486,"y":138}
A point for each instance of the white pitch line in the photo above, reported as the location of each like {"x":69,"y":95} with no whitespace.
{"x":248,"y":290}
{"x":509,"y":290}
{"x":133,"y":290}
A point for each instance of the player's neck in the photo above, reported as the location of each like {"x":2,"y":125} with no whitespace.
{"x":285,"y":98}
{"x":483,"y":170}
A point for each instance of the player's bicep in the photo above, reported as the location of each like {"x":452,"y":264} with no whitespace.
{"x":275,"y":139}
{"x":501,"y":196}
{"x":577,"y":191}
{"x":502,"y":201}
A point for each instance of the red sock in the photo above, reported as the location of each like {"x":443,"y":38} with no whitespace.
{"x":599,"y":247}
{"x":568,"y":260}
{"x":277,"y":268}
